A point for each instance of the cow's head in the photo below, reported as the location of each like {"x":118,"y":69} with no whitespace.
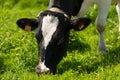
{"x":52,"y":36}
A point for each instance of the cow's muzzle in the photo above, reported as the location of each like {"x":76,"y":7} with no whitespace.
{"x":41,"y":68}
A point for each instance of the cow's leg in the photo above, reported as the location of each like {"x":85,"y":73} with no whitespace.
{"x":103,"y":8}
{"x":118,"y":11}
{"x":84,"y":8}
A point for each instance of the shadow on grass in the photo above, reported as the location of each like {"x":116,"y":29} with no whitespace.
{"x":112,"y":58}
{"x":77,"y":66}
{"x":1,"y":65}
{"x":78,"y":45}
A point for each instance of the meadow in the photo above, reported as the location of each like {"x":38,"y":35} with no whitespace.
{"x":19,"y":51}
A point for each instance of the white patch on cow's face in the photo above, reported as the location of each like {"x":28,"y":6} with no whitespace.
{"x":49,"y":26}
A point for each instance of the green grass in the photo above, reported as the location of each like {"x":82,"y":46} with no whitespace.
{"x":18,"y":49}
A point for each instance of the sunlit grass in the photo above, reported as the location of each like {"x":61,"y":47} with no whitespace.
{"x":19,"y":53}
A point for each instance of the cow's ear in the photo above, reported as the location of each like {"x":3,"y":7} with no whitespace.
{"x":80,"y":23}
{"x":27,"y":24}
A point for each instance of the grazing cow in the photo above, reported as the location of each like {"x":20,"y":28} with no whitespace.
{"x":53,"y":39}
{"x":53,"y":30}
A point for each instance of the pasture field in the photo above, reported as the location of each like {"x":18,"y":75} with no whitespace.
{"x":19,"y":53}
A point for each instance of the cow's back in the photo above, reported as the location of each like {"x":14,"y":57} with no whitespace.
{"x":71,"y":7}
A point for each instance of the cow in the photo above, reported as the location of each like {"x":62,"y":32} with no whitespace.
{"x":53,"y":29}
{"x":52,"y":38}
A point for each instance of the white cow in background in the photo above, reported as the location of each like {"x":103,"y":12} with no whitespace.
{"x":103,"y":9}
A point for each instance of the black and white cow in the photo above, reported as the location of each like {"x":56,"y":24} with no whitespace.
{"x":53,"y":30}
{"x":54,"y":26}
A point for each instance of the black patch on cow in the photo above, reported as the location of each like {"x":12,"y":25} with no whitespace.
{"x":71,"y":7}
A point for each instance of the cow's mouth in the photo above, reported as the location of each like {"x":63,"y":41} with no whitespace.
{"x":42,"y":69}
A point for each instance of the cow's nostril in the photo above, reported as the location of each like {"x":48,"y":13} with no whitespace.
{"x":40,"y":70}
{"x":37,"y":69}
